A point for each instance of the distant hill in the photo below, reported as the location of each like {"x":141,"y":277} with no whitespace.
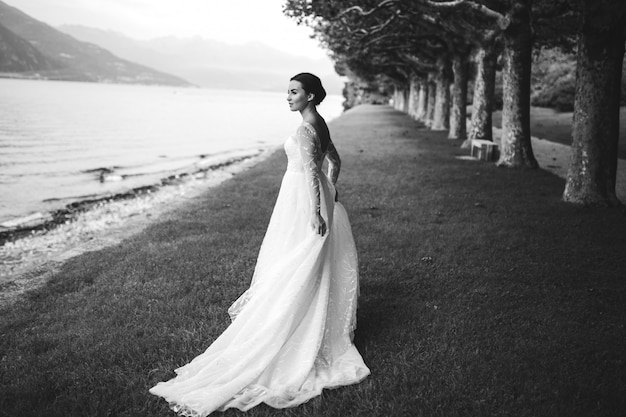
{"x":33,"y":49}
{"x":18,"y":55}
{"x":209,"y":63}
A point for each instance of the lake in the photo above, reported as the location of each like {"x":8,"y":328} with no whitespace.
{"x":62,"y":142}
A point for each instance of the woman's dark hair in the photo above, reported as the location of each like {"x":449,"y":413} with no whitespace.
{"x":312,"y":85}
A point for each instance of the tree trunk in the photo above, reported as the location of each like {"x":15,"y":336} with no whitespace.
{"x":414,"y":96}
{"x":400,"y":99}
{"x":484,"y":88}
{"x":396,"y":98}
{"x":595,"y":131}
{"x":404,"y":93}
{"x":458,"y":112}
{"x":441,"y":116}
{"x":422,"y":101}
{"x":430,"y":102}
{"x":516,"y":148}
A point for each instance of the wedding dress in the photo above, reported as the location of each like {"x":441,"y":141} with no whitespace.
{"x":291,"y":331}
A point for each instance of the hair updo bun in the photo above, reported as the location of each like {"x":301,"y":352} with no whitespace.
{"x":311,"y":85}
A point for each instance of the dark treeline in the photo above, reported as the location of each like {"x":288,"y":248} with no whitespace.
{"x":429,"y":52}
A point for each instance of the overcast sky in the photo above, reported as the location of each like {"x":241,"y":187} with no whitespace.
{"x":231,"y":21}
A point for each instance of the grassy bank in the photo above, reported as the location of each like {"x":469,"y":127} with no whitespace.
{"x":482,"y":294}
{"x":557,"y":126}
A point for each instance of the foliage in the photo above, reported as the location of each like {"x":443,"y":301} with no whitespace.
{"x":358,"y":92}
{"x":399,"y":38}
{"x":553,"y":82}
{"x":558,"y":96}
{"x":554,"y":79}
{"x":388,"y":38}
{"x":348,"y":27}
{"x":556,"y":24}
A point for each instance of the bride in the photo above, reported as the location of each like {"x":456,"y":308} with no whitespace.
{"x":291,"y":331}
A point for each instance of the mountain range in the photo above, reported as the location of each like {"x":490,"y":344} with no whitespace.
{"x":209,"y":63}
{"x":33,"y":49}
{"x":18,"y":55}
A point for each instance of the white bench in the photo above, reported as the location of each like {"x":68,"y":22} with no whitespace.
{"x":484,"y":150}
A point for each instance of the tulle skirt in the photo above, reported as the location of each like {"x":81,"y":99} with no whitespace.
{"x":291,"y":331}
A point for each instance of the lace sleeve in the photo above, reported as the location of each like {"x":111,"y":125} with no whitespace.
{"x":334,"y":163}
{"x":310,"y":153}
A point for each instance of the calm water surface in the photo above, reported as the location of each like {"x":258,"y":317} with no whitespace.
{"x":64,"y":141}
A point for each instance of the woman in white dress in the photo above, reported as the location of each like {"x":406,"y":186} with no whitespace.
{"x":291,"y":331}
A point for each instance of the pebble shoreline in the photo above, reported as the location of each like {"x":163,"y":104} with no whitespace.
{"x":28,"y":256}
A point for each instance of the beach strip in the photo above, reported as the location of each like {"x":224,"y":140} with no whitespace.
{"x":33,"y":247}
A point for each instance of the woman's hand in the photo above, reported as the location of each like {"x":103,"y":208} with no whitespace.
{"x":318,"y":224}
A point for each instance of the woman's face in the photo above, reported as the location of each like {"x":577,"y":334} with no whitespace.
{"x":297,"y":98}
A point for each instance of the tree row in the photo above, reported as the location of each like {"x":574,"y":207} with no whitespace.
{"x":432,"y":51}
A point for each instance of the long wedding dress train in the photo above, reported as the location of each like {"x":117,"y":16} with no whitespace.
{"x":291,"y":331}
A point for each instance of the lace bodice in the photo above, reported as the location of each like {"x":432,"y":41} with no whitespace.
{"x":305,"y":154}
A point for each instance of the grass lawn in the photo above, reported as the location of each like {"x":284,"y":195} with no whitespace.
{"x":552,"y":125}
{"x":482,"y":294}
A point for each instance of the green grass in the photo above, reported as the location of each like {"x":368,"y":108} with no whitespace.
{"x":482,"y":294}
{"x":557,"y":127}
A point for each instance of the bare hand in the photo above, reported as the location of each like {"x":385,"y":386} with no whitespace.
{"x":318,"y":224}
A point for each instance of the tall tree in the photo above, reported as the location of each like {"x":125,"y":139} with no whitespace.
{"x":485,"y":60}
{"x":516,"y":148}
{"x":443,"y":79}
{"x":458,"y":110}
{"x":595,"y":132}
